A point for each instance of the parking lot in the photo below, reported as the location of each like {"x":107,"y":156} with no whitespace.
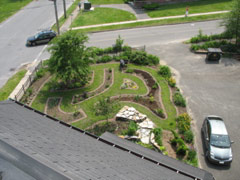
{"x":210,"y":89}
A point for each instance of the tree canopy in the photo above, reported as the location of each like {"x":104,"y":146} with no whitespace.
{"x":232,"y":21}
{"x":69,"y":59}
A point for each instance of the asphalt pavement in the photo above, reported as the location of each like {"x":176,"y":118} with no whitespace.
{"x":209,"y":88}
{"x":36,"y":16}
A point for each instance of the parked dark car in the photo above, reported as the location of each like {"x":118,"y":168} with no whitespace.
{"x":42,"y":37}
{"x":216,"y":140}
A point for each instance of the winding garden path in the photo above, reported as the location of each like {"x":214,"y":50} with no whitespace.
{"x":76,"y":106}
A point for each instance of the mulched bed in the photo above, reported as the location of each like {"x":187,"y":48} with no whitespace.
{"x":53,"y":110}
{"x":36,"y":85}
{"x":107,"y":82}
{"x":180,"y":109}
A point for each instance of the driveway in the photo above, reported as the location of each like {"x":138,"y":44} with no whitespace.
{"x":210,"y":88}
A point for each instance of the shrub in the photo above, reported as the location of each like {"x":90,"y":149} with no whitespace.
{"x":105,"y":59}
{"x":160,"y":113}
{"x":153,"y":59}
{"x":181,"y":150}
{"x":110,"y":70}
{"x":152,"y":6}
{"x":108,"y":50}
{"x":155,"y":86}
{"x":129,"y":70}
{"x":165,"y":71}
{"x":132,"y":128}
{"x":183,"y":123}
{"x":179,"y":100}
{"x":126,"y":48}
{"x":118,"y":45}
{"x":76,"y":113}
{"x":188,"y":136}
{"x":40,"y":73}
{"x":99,"y":129}
{"x":151,"y":99}
{"x":191,"y":155}
{"x":174,"y":142}
{"x":139,"y":57}
{"x":171,"y":82}
{"x":137,"y":98}
{"x":158,"y":135}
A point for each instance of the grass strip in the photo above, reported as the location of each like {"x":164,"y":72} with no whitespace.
{"x":10,"y":7}
{"x":201,"y":6}
{"x":10,"y":85}
{"x":107,"y":1}
{"x":69,"y":12}
{"x":154,"y":23}
{"x":101,"y":16}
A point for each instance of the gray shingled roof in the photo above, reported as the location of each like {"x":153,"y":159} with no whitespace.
{"x":168,"y":161}
{"x":73,"y":152}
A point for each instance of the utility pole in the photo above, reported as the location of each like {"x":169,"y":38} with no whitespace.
{"x":64,"y":8}
{"x":56,"y":14}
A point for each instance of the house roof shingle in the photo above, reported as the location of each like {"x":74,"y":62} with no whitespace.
{"x":75,"y":153}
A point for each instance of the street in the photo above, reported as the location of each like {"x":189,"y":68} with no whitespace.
{"x":36,"y":16}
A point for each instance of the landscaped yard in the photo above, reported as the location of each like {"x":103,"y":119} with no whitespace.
{"x":106,"y":1}
{"x":9,"y":7}
{"x":143,"y":85}
{"x":101,"y":16}
{"x":200,"y":6}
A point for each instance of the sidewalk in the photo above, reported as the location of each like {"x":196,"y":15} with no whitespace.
{"x":70,"y":19}
{"x":145,"y":20}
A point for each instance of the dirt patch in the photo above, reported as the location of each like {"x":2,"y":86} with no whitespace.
{"x":166,"y":137}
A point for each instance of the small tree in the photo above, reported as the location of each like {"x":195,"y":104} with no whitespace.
{"x":232,"y":21}
{"x":118,"y":45}
{"x":105,"y":107}
{"x":70,"y":58}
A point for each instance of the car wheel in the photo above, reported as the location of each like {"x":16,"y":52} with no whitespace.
{"x":33,"y":43}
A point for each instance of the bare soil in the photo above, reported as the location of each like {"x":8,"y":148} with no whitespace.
{"x":166,"y":137}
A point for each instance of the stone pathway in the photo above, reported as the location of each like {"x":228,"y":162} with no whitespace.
{"x":139,"y":13}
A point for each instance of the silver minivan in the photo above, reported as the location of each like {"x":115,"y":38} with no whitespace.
{"x":216,"y":140}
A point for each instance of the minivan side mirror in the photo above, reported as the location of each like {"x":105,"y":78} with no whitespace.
{"x":207,"y":139}
{"x":232,"y":142}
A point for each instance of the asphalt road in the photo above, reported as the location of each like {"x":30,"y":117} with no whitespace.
{"x":36,"y":16}
{"x":209,"y":88}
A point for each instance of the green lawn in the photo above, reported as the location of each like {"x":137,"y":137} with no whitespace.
{"x":101,"y":16}
{"x":69,"y":12}
{"x":7,"y":89}
{"x":10,"y":7}
{"x":199,"y":6}
{"x":88,"y":104}
{"x":154,"y":23}
{"x":106,"y":1}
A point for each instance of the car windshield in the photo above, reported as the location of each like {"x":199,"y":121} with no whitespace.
{"x":36,"y":36}
{"x":220,"y":140}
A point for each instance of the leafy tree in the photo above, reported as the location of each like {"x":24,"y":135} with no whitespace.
{"x":70,"y":58}
{"x":232,"y":21}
